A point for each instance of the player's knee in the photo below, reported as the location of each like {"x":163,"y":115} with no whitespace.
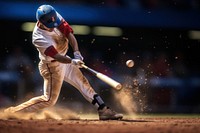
{"x":50,"y":101}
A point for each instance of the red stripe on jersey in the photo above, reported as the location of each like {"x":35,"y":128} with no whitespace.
{"x":50,"y":51}
{"x":65,"y":28}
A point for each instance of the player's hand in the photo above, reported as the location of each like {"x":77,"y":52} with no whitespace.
{"x":77,"y":55}
{"x":77,"y":62}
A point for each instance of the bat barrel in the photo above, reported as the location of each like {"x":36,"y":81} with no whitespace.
{"x":104,"y":78}
{"x":109,"y":81}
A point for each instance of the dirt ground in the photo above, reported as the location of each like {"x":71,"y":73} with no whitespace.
{"x":63,"y":120}
{"x":84,"y":125}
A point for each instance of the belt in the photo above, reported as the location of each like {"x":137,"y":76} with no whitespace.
{"x":53,"y":60}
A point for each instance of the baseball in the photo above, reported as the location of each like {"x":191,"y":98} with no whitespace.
{"x":129,"y":63}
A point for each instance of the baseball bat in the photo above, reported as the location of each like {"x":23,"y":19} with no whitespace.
{"x":104,"y":78}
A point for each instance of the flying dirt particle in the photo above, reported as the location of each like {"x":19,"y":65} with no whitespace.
{"x":93,"y":40}
{"x":124,"y":38}
{"x":63,"y":98}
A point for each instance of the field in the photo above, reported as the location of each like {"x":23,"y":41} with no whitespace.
{"x":90,"y":123}
{"x":63,"y":120}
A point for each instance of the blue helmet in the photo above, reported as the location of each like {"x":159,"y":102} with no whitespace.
{"x":48,"y":16}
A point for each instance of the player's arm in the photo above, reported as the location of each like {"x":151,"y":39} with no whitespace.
{"x":52,"y":52}
{"x":67,"y":59}
{"x":65,"y":28}
{"x":73,"y":42}
{"x":62,"y":59}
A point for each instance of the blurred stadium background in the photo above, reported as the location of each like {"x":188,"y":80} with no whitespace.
{"x":162,"y":37}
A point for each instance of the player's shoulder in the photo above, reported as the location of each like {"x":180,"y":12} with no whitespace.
{"x":38,"y":36}
{"x":38,"y":32}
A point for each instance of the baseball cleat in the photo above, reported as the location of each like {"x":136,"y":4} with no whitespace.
{"x":108,"y":114}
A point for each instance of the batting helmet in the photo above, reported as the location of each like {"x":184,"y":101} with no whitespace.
{"x":47,"y":15}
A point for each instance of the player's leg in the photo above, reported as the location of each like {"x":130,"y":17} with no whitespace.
{"x":53,"y":78}
{"x":74,"y":76}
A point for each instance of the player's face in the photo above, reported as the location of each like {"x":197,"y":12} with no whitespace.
{"x":46,"y":28}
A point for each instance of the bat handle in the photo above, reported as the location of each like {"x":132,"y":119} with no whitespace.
{"x":84,"y":66}
{"x":91,"y":70}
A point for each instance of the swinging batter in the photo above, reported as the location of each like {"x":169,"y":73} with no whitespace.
{"x":51,"y":37}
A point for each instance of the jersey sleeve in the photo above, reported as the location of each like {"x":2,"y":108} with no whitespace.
{"x":45,"y":47}
{"x":50,"y":51}
{"x":64,"y":27}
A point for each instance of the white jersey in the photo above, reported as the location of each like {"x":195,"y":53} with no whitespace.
{"x":43,"y":39}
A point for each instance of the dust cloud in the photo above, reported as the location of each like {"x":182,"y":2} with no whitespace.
{"x":129,"y":97}
{"x":56,"y":113}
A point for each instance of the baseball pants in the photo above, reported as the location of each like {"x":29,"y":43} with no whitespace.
{"x":54,"y":74}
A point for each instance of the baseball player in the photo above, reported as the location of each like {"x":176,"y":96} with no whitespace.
{"x":51,"y":37}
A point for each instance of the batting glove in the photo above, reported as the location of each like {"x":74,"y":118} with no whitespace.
{"x":77,"y":62}
{"x":77,"y":55}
